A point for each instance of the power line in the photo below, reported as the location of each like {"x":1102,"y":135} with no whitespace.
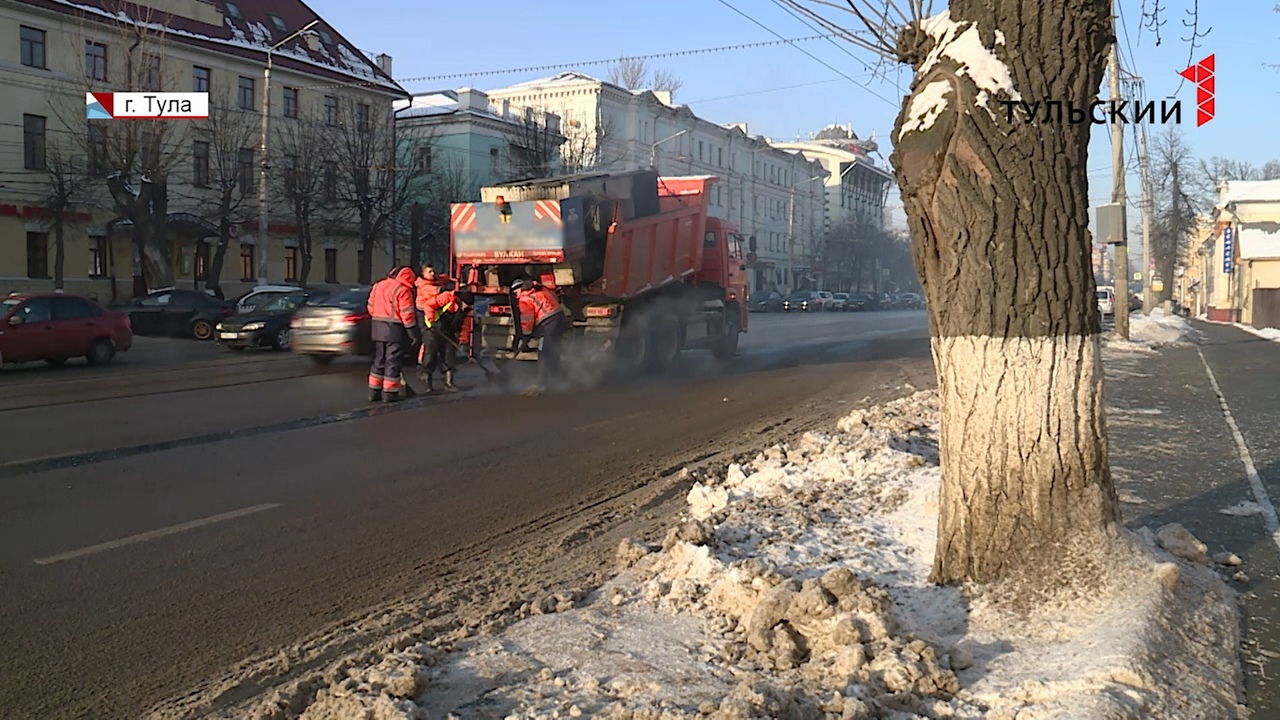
{"x":585,"y":63}
{"x":824,"y":63}
{"x":765,"y":90}
{"x":838,"y":46}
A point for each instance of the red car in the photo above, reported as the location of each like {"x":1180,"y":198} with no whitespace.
{"x":55,"y":327}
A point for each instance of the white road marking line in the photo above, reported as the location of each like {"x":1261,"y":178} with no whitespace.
{"x":1255,"y":481}
{"x":154,"y":534}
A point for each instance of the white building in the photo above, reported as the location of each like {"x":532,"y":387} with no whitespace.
{"x":857,"y":187}
{"x":771,"y":194}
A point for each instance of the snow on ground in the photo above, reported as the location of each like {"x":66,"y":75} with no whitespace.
{"x":797,"y":587}
{"x":1157,"y":329}
{"x":1267,"y":333}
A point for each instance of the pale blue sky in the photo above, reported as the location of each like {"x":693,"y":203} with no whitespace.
{"x":435,"y":39}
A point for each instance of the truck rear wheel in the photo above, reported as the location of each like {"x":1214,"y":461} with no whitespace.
{"x":632,"y":345}
{"x":664,"y":346}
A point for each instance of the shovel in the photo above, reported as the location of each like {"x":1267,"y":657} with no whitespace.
{"x":489,"y":375}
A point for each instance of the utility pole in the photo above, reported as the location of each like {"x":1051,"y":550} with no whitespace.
{"x":1146,"y":221}
{"x":1117,"y":192}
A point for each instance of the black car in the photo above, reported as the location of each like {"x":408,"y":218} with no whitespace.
{"x":178,"y":313}
{"x":764,"y":301}
{"x":267,"y":325}
{"x":863,"y":301}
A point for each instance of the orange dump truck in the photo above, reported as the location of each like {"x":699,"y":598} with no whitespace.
{"x":640,"y":267}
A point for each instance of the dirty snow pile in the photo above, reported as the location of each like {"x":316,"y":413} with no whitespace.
{"x":1158,"y":329}
{"x":796,"y":587}
{"x":1265,"y":333}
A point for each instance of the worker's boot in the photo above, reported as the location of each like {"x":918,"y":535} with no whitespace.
{"x":448,"y":381}
{"x":431,"y":383}
{"x":375,"y":395}
{"x":391,"y":397}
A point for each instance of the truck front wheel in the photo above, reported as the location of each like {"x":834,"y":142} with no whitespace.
{"x":727,"y":348}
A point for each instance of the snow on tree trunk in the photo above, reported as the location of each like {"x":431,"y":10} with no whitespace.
{"x":998,"y":213}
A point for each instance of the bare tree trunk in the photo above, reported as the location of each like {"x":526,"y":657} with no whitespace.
{"x":213,"y":276}
{"x":59,"y":249}
{"x":366,"y":243}
{"x":999,"y":217}
{"x":304,"y":243}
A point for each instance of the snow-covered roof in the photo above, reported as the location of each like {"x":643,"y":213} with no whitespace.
{"x":1251,"y":191}
{"x":439,"y":103}
{"x":1259,"y":242}
{"x":564,"y":78}
{"x":249,"y":32}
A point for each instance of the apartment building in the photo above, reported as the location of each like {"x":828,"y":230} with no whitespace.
{"x":54,"y":51}
{"x":771,"y":194}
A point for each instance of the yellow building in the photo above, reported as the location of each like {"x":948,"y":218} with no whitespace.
{"x":54,"y":51}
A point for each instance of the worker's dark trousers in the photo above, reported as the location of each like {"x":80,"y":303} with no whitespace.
{"x":439,"y":353}
{"x":388,"y":361}
{"x":422,"y":328}
{"x":550,"y":333}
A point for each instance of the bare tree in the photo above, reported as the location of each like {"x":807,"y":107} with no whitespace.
{"x":225,"y":163}
{"x":306,"y":151}
{"x":1177,"y":200}
{"x":449,"y":182}
{"x":634,"y":74}
{"x":67,"y":183}
{"x":1271,"y":170}
{"x":136,"y":157}
{"x":370,"y":184}
{"x":532,"y":148}
{"x":588,"y":148}
{"x":1002,"y":247}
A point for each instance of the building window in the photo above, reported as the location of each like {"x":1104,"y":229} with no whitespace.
{"x":720,"y":157}
{"x":232,"y":10}
{"x":200,"y":163}
{"x":494,"y":165}
{"x":95,"y":60}
{"x":97,"y":149}
{"x":37,"y":255}
{"x":330,"y":181}
{"x":32,"y":41}
{"x":699,"y":151}
{"x":291,"y":264}
{"x":248,"y":268}
{"x":331,"y":265}
{"x":244,"y":169}
{"x":362,"y":117}
{"x":199,"y":79}
{"x":33,"y":142}
{"x":275,"y":20}
{"x":291,"y":102}
{"x":202,"y":261}
{"x":422,"y":158}
{"x":244,"y":93}
{"x":97,"y":256}
{"x":151,"y":81}
{"x":330,"y":110}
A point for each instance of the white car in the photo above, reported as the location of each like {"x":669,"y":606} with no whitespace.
{"x":261,"y":294}
{"x":1106,"y":300}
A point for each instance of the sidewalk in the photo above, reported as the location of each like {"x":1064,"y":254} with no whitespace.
{"x":1174,"y":459}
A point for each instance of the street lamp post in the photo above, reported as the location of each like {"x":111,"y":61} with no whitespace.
{"x":653,"y":149}
{"x":265,"y":165}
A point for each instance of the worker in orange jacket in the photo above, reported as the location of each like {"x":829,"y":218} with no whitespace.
{"x":394,"y":330}
{"x":543,"y":317}
{"x":448,"y":321}
{"x":426,"y":286}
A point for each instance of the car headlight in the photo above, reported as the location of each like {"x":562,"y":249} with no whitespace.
{"x":218,"y":327}
{"x":254,"y":326}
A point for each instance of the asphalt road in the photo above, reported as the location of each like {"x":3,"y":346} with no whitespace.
{"x":150,"y":543}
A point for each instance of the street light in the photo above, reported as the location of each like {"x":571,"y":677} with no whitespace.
{"x":653,"y":149}
{"x":262,"y":177}
{"x":791,"y":213}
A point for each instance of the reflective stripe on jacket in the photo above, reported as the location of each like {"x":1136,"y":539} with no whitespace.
{"x":391,"y":300}
{"x":536,"y":306}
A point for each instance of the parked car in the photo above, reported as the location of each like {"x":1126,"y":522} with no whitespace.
{"x":268,"y":324}
{"x":807,"y":301}
{"x":1135,"y":303}
{"x":1106,"y":300}
{"x":333,"y":327}
{"x":911,"y":301}
{"x":864,"y":301}
{"x":57,"y":327}
{"x":764,"y":301}
{"x":840,"y":301}
{"x":178,"y":313}
{"x":263,"y":294}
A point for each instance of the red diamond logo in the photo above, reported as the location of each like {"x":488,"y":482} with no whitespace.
{"x":1207,"y":63}
{"x":1202,"y":117}
{"x":1203,"y":95}
{"x":1192,"y":73}
{"x":1207,"y":106}
{"x":1208,"y":85}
